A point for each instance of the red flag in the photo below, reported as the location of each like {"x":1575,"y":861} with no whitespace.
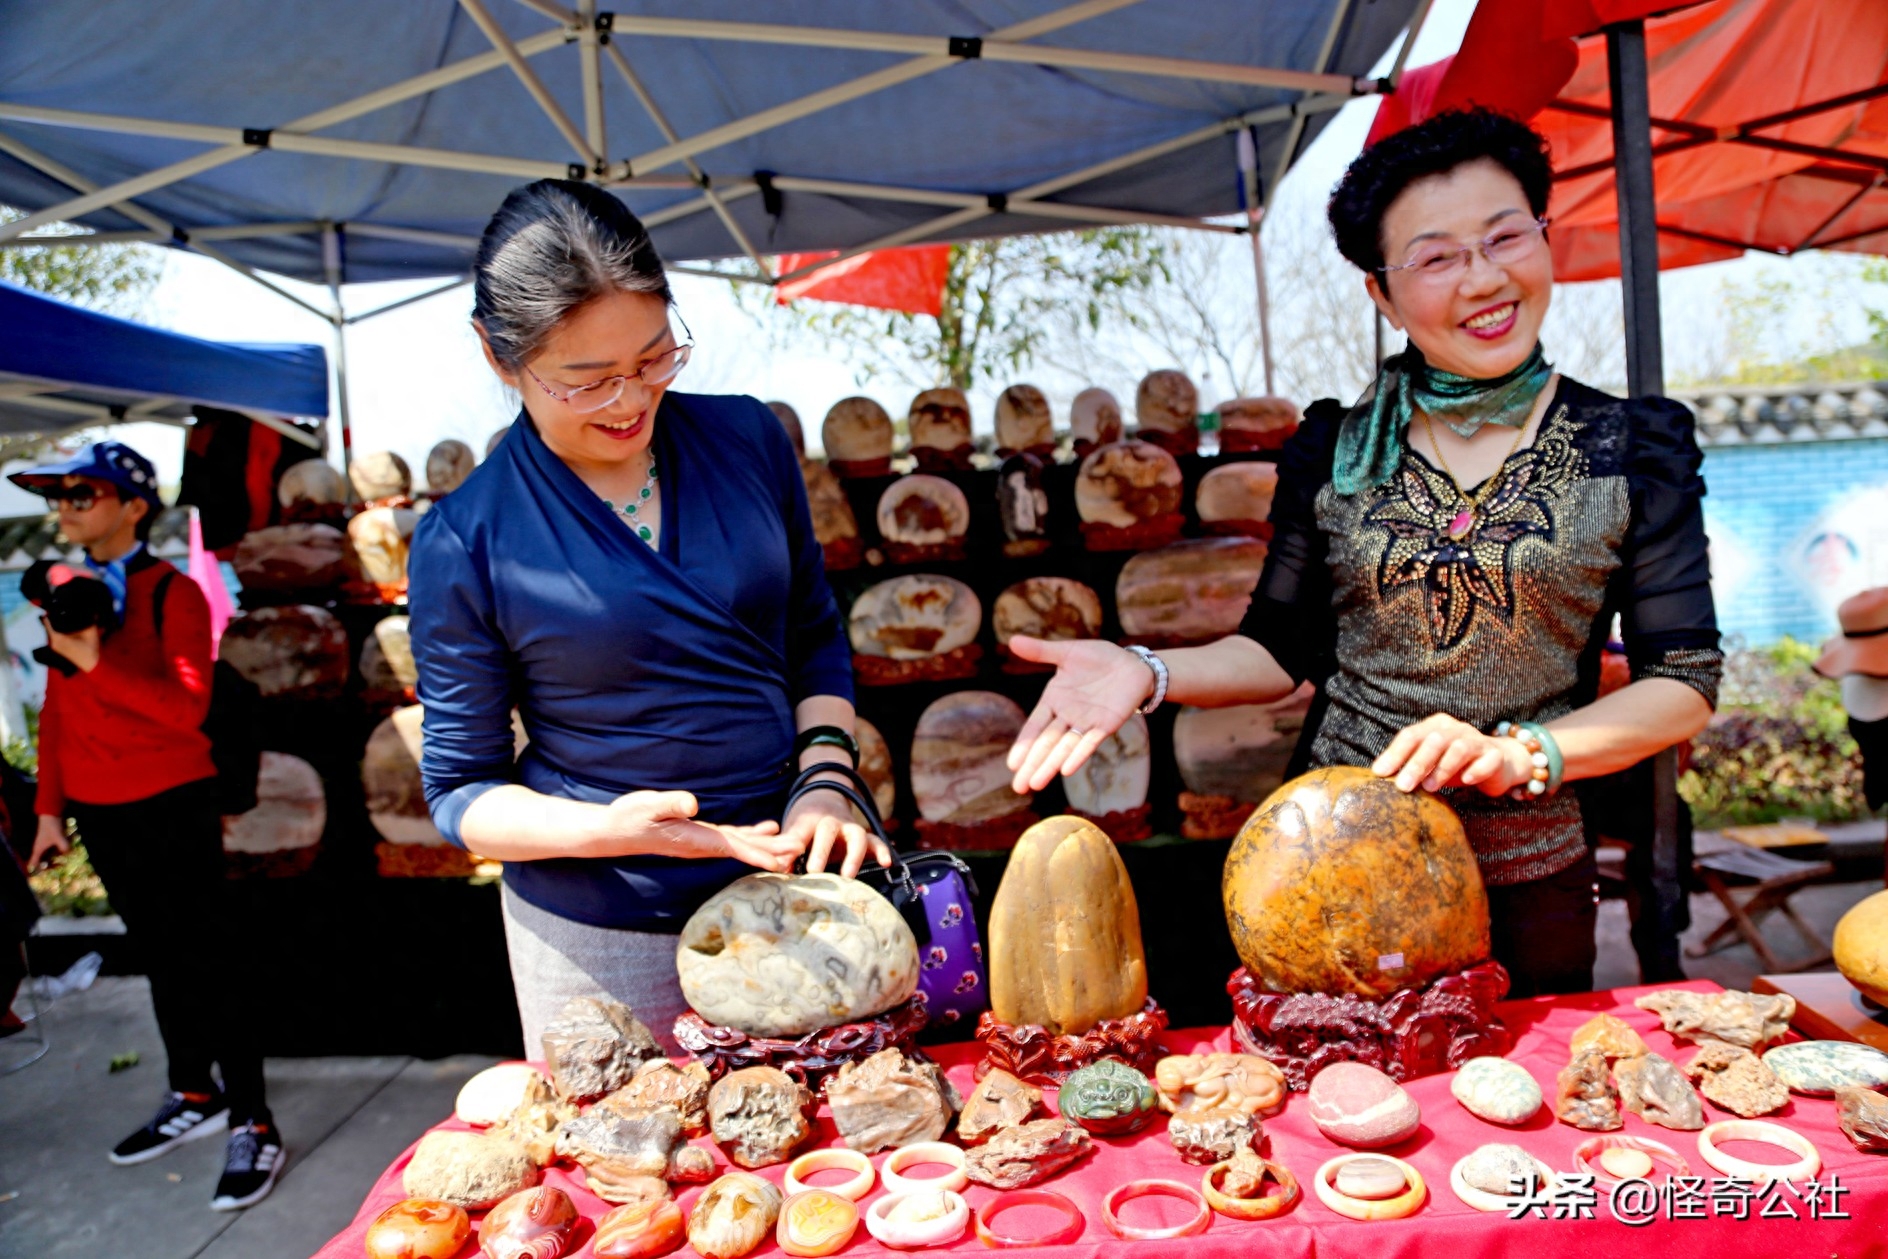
{"x":910,"y":279}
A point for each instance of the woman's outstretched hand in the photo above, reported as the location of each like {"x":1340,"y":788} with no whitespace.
{"x":1441,"y":751}
{"x":1096,"y":687}
{"x":819,"y":820}
{"x":663,"y":823}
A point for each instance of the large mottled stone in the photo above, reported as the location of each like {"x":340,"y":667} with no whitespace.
{"x":1496,"y":1090}
{"x":1746,"y":1019}
{"x":888,"y":1100}
{"x":939,"y":423}
{"x":1236,"y":498}
{"x":1189,"y":592}
{"x":999,"y":1101}
{"x":615,"y":1143}
{"x":857,"y":437}
{"x":290,"y":814}
{"x":1128,"y":483}
{"x":390,"y":774}
{"x":959,"y":772}
{"x":914,"y":617}
{"x":1167,"y":410}
{"x":784,"y":955}
{"x":288,"y":559}
{"x":1609,"y":1034}
{"x":594,"y":1046}
{"x":1115,"y":778}
{"x":468,"y":1169}
{"x":1818,"y":1068}
{"x":1204,"y":1137}
{"x":758,"y":1115}
{"x":380,"y":537}
{"x":1655,"y":1090}
{"x":1094,"y":420}
{"x":1361,"y":1106}
{"x":1239,"y":752}
{"x":920,"y":511}
{"x":448,"y":464}
{"x":790,"y":421}
{"x":1046,"y":607}
{"x":660,"y":1082}
{"x":1585,"y":1095}
{"x":1256,"y":423}
{"x":1862,"y":1115}
{"x":834,"y":526}
{"x":1220,"y":1081}
{"x":1027,"y":1153}
{"x":493,"y":1094}
{"x":296,"y":652}
{"x":534,"y":1125}
{"x":1736,"y":1079}
{"x":1023,"y":505}
{"x":388,"y":672}
{"x":1108,"y":1098}
{"x":311,"y":483}
{"x":733,"y":1216}
{"x":875,"y":765}
{"x":1023,"y":421}
{"x":380,"y":474}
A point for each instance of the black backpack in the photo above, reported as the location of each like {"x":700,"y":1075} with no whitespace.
{"x":230,"y":724}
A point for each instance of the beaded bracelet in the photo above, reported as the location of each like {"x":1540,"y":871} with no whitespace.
{"x":1542,"y":751}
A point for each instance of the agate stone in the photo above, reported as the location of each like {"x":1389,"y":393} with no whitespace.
{"x":785,"y":955}
{"x":1000,"y":1100}
{"x":538,"y":1223}
{"x":390,"y":776}
{"x":619,"y":1143}
{"x":1496,"y":1090}
{"x":1125,"y":484}
{"x":1023,"y":504}
{"x":1213,"y":1136}
{"x":959,"y":771}
{"x":1609,"y":1034}
{"x":1585,"y":1094}
{"x":1239,"y":752}
{"x":1737,"y":1080}
{"x":758,"y":1115}
{"x":914,"y":617}
{"x":1047,"y":607}
{"x":733,"y":1216}
{"x":1360,"y":1106}
{"x":1094,"y":420}
{"x":1115,"y":778}
{"x":888,"y":1100}
{"x":594,"y":1046}
{"x":379,"y":475}
{"x":939,"y":423}
{"x":418,"y":1228}
{"x":857,"y":437}
{"x":1501,"y":1170}
{"x":468,"y":1169}
{"x":1256,"y":423}
{"x":1863,"y":1116}
{"x":660,"y":1082}
{"x":1167,"y":408}
{"x":640,"y":1230}
{"x":1192,"y":591}
{"x":1220,"y":1081}
{"x":534,"y":1125}
{"x":294,"y":558}
{"x":1236,"y":498}
{"x":1371,"y":1179}
{"x":1109,"y":1098}
{"x":923,"y":512}
{"x":297,"y":652}
{"x":1027,"y":1153}
{"x":1747,"y":1019}
{"x":1023,"y":421}
{"x":875,"y":765}
{"x":1652,"y":1088}
{"x":448,"y":464}
{"x":1819,"y":1067}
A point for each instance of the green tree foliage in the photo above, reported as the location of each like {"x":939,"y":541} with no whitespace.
{"x":112,"y":278}
{"x":1007,"y":304}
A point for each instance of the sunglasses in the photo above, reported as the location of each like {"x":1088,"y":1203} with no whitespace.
{"x":77,"y":497}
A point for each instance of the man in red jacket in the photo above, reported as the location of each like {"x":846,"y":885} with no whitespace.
{"x":122,"y":753}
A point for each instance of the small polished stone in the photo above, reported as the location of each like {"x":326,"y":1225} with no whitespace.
{"x":640,"y":1230}
{"x":418,"y":1228}
{"x":537,"y":1223}
{"x":1819,"y":1067}
{"x":1624,"y":1164}
{"x":733,"y":1216}
{"x":1495,"y":1168}
{"x":1496,"y":1090}
{"x":1862,"y":1114}
{"x":1361,"y":1106}
{"x":1609,"y":1034}
{"x":1372,"y":1179}
{"x":493,"y":1094}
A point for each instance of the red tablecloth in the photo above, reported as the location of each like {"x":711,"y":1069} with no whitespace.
{"x":1444,"y":1226}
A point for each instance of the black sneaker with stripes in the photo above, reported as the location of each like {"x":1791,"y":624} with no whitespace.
{"x":182,"y":1117}
{"x":250,"y":1166}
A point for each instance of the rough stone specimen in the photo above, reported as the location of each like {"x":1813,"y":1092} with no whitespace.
{"x":1256,"y":424}
{"x":297,"y":652}
{"x":1737,"y":1080}
{"x":1027,"y":1153}
{"x":388,"y":673}
{"x":1125,"y":484}
{"x":390,"y":776}
{"x":1246,"y":1177}
{"x":1189,"y":592}
{"x":1094,"y":420}
{"x":790,"y":421}
{"x":1000,"y":1100}
{"x":733,"y":1216}
{"x":1115,"y":778}
{"x":1241,"y":1082}
{"x":380,"y":537}
{"x":835,"y":528}
{"x":537,"y":1223}
{"x":959,"y":774}
{"x":1046,"y":607}
{"x":1236,"y":499}
{"x":1108,"y":1098}
{"x":1023,"y":422}
{"x":448,"y":464}
{"x":1213,"y":1136}
{"x":938,"y":421}
{"x":594,"y":1046}
{"x":1585,"y":1094}
{"x":1497,"y":1090}
{"x":1496,"y":1169}
{"x":640,"y":1230}
{"x":758,"y":1115}
{"x":613,"y":1144}
{"x":1655,"y":1090}
{"x":922,"y":517}
{"x":294,"y":558}
{"x":1820,"y":1067}
{"x":280,"y":835}
{"x":1372,"y":1179}
{"x":1167,"y":409}
{"x":1609,"y":1034}
{"x":379,"y":475}
{"x":784,"y":955}
{"x":311,"y":483}
{"x":660,"y":1082}
{"x":417,"y":1228}
{"x":534,"y":1125}
{"x":1747,"y":1019}
{"x":857,"y":438}
{"x":1863,"y":1116}
{"x":1361,"y":1106}
{"x":468,"y":1169}
{"x":493,"y":1094}
{"x":1237,"y":756}
{"x":888,"y":1100}
{"x":914,"y":617}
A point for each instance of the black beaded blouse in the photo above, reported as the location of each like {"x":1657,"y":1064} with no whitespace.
{"x":1370,"y":598}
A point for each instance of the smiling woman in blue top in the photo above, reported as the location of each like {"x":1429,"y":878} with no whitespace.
{"x":634,"y":571}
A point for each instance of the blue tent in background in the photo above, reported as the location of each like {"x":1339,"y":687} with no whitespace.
{"x":61,"y":367}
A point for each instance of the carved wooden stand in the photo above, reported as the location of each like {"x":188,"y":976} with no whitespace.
{"x":1032,"y":1053}
{"x":1412,"y":1033}
{"x":811,"y":1058}
{"x":1145,"y":536}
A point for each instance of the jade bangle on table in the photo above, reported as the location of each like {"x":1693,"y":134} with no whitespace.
{"x":1028,"y":1198}
{"x":1110,"y":1207}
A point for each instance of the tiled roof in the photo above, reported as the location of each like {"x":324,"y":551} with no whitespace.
{"x":25,"y":539}
{"x":1773,"y":414}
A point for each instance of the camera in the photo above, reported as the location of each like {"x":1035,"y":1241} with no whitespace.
{"x":73,"y":601}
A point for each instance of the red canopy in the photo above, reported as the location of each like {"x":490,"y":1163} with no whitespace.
{"x":1770,"y":121}
{"x":910,"y":278}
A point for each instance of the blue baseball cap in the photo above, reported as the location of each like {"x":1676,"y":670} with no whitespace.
{"x":112,"y":462}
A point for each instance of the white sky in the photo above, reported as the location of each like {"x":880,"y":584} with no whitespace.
{"x":416,"y":376}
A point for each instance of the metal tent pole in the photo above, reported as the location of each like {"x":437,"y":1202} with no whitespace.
{"x":1255,"y":215}
{"x":1645,"y":377}
{"x":331,"y":263}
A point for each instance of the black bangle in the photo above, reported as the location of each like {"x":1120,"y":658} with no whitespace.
{"x":825,"y":737}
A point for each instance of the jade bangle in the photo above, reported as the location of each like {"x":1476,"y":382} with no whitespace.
{"x":1028,"y":1198}
{"x":1807,"y":1163}
{"x":1263,"y":1207}
{"x":1405,"y":1203}
{"x":1140,"y":1188}
{"x":925,"y":1152}
{"x":829,"y":1160}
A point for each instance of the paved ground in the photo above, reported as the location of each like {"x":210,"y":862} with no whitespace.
{"x":346,"y":1119}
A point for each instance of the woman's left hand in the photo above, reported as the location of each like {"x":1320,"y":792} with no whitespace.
{"x":1442,"y":751}
{"x":820,"y":820}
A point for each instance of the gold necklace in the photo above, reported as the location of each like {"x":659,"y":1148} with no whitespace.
{"x":1463,"y":523}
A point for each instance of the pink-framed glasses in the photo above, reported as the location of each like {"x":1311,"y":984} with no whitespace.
{"x":599,"y":394}
{"x":1441,"y":263}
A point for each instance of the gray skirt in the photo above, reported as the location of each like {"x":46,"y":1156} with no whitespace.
{"x":554,"y":959}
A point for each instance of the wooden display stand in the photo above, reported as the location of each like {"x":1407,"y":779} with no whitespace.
{"x":1829,"y":1008}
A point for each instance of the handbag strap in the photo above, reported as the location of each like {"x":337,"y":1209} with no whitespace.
{"x":859,"y":792}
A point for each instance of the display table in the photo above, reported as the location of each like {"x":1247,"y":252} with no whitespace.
{"x":1444,"y":1226}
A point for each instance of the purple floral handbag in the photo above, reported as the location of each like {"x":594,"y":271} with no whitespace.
{"x":935,"y":893}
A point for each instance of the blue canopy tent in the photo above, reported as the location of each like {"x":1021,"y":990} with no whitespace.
{"x":62,"y":367}
{"x":359,"y":141}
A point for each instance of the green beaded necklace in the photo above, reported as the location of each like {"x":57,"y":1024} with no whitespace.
{"x":630,"y":512}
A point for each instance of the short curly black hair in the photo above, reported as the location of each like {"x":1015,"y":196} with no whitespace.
{"x":1381,"y":172}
